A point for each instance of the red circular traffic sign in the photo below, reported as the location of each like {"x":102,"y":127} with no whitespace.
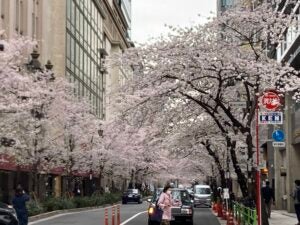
{"x":270,"y":100}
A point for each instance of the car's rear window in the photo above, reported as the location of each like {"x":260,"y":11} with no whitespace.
{"x":182,"y":196}
{"x":133,"y":191}
{"x":203,"y":191}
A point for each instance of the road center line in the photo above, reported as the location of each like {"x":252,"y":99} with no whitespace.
{"x":131,"y":218}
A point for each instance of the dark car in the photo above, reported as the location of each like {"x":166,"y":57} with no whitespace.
{"x":8,"y":215}
{"x":132,"y":195}
{"x":183,"y":213}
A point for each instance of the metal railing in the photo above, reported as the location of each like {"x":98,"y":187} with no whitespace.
{"x":244,"y":215}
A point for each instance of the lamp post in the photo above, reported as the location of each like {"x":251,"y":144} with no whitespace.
{"x":34,"y":65}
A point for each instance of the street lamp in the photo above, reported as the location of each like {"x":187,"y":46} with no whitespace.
{"x":34,"y":65}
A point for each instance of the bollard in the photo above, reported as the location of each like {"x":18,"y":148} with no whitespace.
{"x":224,"y":214}
{"x":220,"y":212}
{"x":118,"y":215}
{"x":230,"y":220}
{"x":214,"y":207}
{"x":113,"y":216}
{"x":106,"y":217}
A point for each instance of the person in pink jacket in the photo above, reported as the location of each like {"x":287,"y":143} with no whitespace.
{"x":165,"y":202}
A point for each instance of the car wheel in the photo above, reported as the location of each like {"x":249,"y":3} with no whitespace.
{"x":190,"y":222}
{"x":124,"y":202}
{"x":150,"y":222}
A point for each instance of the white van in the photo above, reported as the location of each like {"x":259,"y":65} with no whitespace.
{"x":202,"y":195}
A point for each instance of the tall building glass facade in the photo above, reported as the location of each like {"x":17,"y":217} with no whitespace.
{"x":126,"y":9}
{"x":83,"y":41}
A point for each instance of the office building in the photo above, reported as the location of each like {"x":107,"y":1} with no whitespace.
{"x":77,"y":36}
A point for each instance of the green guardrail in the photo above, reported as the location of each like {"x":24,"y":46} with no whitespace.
{"x":244,"y":215}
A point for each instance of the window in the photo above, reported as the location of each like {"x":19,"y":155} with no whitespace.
{"x":82,"y":56}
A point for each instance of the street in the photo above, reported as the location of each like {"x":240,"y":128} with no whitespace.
{"x":131,"y":214}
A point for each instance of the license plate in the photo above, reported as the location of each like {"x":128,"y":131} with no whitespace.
{"x":130,"y":196}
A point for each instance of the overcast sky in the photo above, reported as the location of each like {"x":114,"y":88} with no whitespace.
{"x":150,"y":16}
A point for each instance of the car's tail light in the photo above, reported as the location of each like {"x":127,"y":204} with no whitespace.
{"x":151,"y":210}
{"x":186,"y":211}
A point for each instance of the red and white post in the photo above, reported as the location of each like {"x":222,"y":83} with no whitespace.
{"x":113,"y":215}
{"x":258,"y":188}
{"x":118,"y":215}
{"x":106,"y":216}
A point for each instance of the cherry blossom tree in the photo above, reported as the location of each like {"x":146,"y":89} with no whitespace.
{"x":208,"y":67}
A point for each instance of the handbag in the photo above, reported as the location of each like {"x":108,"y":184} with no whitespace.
{"x":157,"y":214}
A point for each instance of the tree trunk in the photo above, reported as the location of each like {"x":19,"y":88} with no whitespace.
{"x":242,"y":179}
{"x":217,"y":161}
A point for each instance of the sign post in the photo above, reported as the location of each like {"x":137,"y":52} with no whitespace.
{"x":226,"y":196}
{"x":270,"y":100}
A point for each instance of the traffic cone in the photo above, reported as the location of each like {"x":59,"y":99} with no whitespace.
{"x":220,"y":212}
{"x":214,"y":207}
{"x":230,"y":220}
{"x":224,"y":214}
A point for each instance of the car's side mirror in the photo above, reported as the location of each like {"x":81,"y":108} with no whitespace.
{"x":149,"y":200}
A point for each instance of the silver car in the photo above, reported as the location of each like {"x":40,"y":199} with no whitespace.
{"x":202,"y":195}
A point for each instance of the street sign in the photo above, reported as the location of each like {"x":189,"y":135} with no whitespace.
{"x":226,"y":193}
{"x":278,"y":144}
{"x":278,"y":135}
{"x":270,"y":100}
{"x":270,"y":118}
{"x":240,"y":104}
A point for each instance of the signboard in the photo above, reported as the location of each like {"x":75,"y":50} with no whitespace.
{"x":278,"y":144}
{"x":226,"y":193}
{"x":270,"y":118}
{"x":239,"y":104}
{"x":270,"y":100}
{"x":278,"y":135}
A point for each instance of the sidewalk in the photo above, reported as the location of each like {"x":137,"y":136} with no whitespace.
{"x":279,"y":217}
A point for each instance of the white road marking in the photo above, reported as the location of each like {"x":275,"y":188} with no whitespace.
{"x":68,"y":213}
{"x":131,"y":218}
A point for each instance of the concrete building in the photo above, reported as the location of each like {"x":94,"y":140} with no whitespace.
{"x":287,"y":160}
{"x":76,"y":35}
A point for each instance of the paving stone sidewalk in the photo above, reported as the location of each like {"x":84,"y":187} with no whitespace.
{"x":282,"y":218}
{"x":277,"y":218}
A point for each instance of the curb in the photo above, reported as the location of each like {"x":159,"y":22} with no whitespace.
{"x":222,"y":222}
{"x":58,"y":212}
{"x":63,"y":211}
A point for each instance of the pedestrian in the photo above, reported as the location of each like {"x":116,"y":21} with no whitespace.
{"x":76,"y":190}
{"x":268,"y":197}
{"x":107,"y":189}
{"x":19,"y":203}
{"x":165,"y":202}
{"x":297,"y":199}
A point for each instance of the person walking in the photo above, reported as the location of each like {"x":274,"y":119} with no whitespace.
{"x":165,"y":202}
{"x":19,"y":204}
{"x":268,"y":196}
{"x":296,"y":197}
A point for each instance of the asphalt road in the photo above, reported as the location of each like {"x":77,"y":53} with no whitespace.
{"x":131,"y":214}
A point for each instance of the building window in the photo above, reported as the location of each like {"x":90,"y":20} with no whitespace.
{"x":85,"y":40}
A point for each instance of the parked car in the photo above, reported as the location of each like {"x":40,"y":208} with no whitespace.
{"x":183,"y":213}
{"x":8,"y":215}
{"x":202,"y":195}
{"x":132,"y":195}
